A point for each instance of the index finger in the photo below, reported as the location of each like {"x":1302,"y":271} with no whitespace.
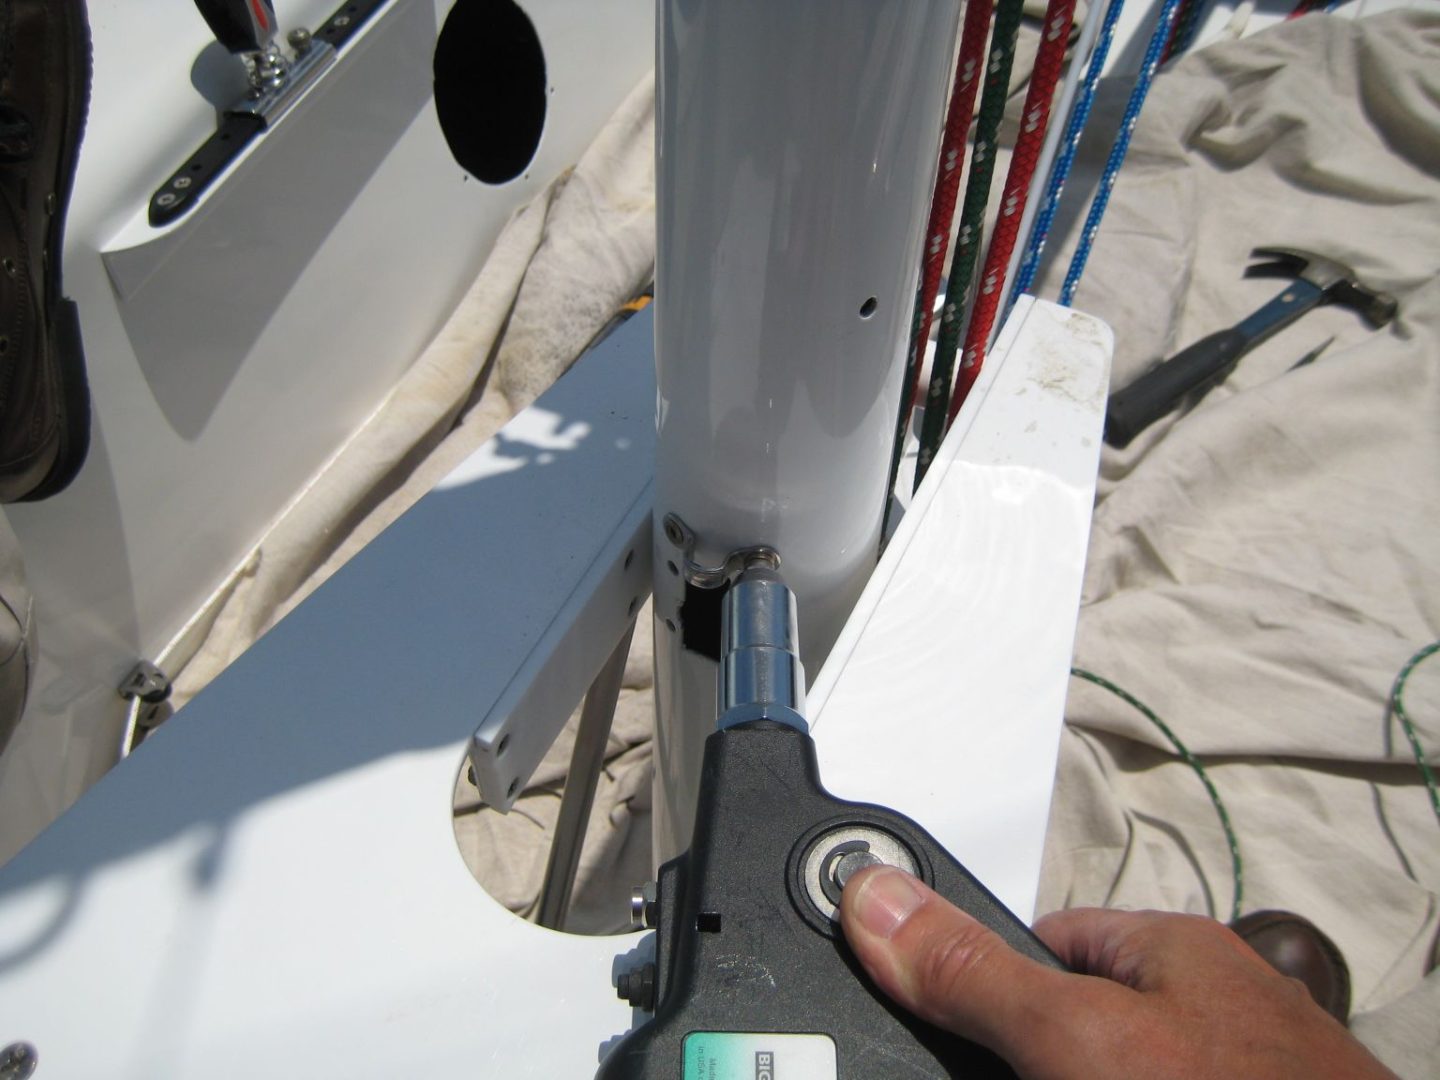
{"x":1144,"y":950}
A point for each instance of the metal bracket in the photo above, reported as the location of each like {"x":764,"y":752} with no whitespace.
{"x":714,"y":577}
{"x":148,"y":689}
{"x":277,"y":82}
{"x":147,"y":683}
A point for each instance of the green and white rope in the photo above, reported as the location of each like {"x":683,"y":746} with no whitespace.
{"x":998,"y":63}
{"x":1236,"y":864}
{"x":1397,"y":710}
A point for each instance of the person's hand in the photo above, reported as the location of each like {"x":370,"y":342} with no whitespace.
{"x":1155,"y":995}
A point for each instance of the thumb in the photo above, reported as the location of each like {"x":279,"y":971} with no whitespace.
{"x":945,"y":967}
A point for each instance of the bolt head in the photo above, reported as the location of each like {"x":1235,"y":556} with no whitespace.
{"x":637,"y":908}
{"x":644,"y":905}
{"x":638,"y":987}
{"x":18,"y":1061}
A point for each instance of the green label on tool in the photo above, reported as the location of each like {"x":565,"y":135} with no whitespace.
{"x":751,"y":1055}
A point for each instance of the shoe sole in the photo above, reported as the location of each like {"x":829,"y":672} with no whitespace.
{"x":62,"y":328}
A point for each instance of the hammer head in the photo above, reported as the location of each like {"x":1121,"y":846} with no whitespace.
{"x":1339,"y":283}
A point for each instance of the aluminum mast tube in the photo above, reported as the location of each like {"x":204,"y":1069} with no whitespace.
{"x":796,"y":149}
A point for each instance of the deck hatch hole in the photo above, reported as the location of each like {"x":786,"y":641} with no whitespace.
{"x":490,"y":88}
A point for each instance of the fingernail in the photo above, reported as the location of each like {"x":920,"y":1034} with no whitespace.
{"x":886,"y":899}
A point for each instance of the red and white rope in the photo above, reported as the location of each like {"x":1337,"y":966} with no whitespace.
{"x":1049,"y":61}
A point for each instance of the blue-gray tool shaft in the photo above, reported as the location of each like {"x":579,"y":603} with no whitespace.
{"x":761,"y":677}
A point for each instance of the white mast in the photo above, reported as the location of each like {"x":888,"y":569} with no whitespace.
{"x":797,"y":149}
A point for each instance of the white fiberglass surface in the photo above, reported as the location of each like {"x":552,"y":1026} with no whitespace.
{"x":945,"y":694}
{"x":272,"y":883}
{"x":232,"y":353}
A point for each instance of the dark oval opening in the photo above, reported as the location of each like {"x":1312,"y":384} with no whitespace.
{"x":490,"y":88}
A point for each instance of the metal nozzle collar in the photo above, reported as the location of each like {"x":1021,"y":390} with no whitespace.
{"x":761,"y":677}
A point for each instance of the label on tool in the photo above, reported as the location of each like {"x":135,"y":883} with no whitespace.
{"x":751,"y":1055}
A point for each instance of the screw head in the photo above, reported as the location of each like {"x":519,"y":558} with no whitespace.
{"x":342,"y":21}
{"x":18,"y":1061}
{"x":850,"y":864}
{"x":180,"y":182}
{"x":165,"y":198}
{"x":300,"y":40}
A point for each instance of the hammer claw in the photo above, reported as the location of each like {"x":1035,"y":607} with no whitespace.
{"x":1276,"y":262}
{"x":1291,"y":257}
{"x":1273,"y":268}
{"x":1335,"y":279}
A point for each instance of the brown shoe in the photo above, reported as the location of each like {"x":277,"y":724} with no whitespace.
{"x":1296,"y":947}
{"x":44,"y":397}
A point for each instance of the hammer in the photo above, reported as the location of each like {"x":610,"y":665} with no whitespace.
{"x":1318,"y":280}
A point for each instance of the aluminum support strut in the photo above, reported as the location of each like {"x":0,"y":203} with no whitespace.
{"x":592,"y":735}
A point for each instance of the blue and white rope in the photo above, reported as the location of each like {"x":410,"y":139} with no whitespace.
{"x":1074,"y":128}
{"x":1118,"y":151}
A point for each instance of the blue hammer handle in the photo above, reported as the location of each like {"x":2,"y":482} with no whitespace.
{"x":1202,"y":365}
